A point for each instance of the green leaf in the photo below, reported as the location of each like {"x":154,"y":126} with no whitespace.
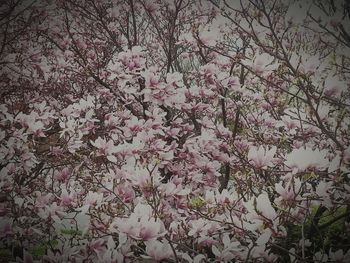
{"x":196,"y":202}
{"x":53,"y":243}
{"x":38,"y":250}
{"x":5,"y":253}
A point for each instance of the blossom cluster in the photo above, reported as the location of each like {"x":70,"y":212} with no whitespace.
{"x":125,"y":139}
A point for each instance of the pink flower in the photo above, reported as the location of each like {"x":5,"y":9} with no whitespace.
{"x":125,"y":192}
{"x":170,"y":189}
{"x":198,"y":226}
{"x":36,"y":128}
{"x":174,"y":78}
{"x":151,"y":80}
{"x":151,"y":6}
{"x":66,"y":199}
{"x":158,"y":250}
{"x":229,"y":249}
{"x":261,"y":63}
{"x":97,"y":246}
{"x":42,"y":200}
{"x":103,"y":147}
{"x":141,"y":225}
{"x":140,"y":177}
{"x":94,"y":198}
{"x":150,"y":229}
{"x":132,"y":127}
{"x":261,"y":158}
{"x":81,"y":44}
{"x":64,"y":175}
{"x":56,"y":151}
{"x":290,"y":191}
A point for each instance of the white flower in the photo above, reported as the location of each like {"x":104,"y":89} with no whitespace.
{"x":303,"y":159}
{"x":263,"y":205}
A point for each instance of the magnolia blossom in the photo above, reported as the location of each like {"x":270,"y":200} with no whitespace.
{"x":42,"y":200}
{"x":303,"y":159}
{"x":53,"y":211}
{"x":263,"y":206}
{"x":229,"y":251}
{"x":171,"y":189}
{"x":132,"y":59}
{"x":133,"y":126}
{"x":158,"y":250}
{"x":66,"y":198}
{"x":110,"y":254}
{"x":211,"y":142}
{"x":139,"y":177}
{"x":320,"y":257}
{"x":309,"y":64}
{"x":97,"y":246}
{"x":323,"y":190}
{"x":333,"y":86}
{"x":261,"y":63}
{"x":68,"y":127}
{"x":125,"y":192}
{"x":141,"y":225}
{"x":104,"y":147}
{"x":199,"y":226}
{"x":339,"y":256}
{"x":94,"y":199}
{"x":33,"y":124}
{"x":261,"y":158}
{"x":290,"y":191}
{"x":151,"y":79}
{"x":64,"y":175}
{"x":208,"y":37}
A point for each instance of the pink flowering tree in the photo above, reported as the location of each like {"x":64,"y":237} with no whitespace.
{"x":174,"y":131}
